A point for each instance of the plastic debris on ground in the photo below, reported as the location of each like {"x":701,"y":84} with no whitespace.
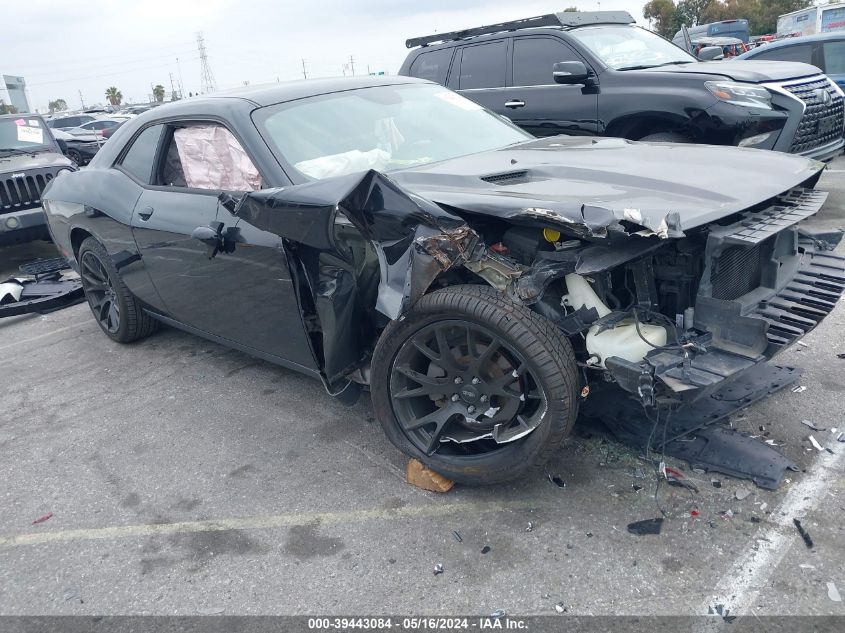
{"x":727,"y":514}
{"x":716,"y":483}
{"x":806,"y":566}
{"x":720,"y":610}
{"x":557,"y":481}
{"x":438,"y":569}
{"x":799,"y":389}
{"x":486,"y":549}
{"x":457,"y":536}
{"x":419,"y":475}
{"x":46,"y":517}
{"x":840,"y":437}
{"x":804,"y":535}
{"x":560,"y":607}
{"x":498,"y":614}
{"x":529,"y":527}
{"x":742,"y":493}
{"x":811,"y":425}
{"x":763,"y":506}
{"x":815,"y":443}
{"x":833,"y":592}
{"x":840,"y":356}
{"x":646,"y":526}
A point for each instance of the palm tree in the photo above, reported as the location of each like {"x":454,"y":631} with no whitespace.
{"x":114,"y":96}
{"x":158,"y":92}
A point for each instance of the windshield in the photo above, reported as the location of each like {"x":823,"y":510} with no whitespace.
{"x":382,"y":128}
{"x":23,"y":134}
{"x":629,"y":47}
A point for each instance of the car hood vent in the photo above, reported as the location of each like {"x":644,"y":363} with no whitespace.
{"x":507,"y":178}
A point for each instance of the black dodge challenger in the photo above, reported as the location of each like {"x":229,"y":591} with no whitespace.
{"x":389,"y":234}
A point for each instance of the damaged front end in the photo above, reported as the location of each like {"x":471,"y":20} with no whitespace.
{"x":663,"y":310}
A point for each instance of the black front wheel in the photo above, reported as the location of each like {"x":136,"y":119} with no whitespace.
{"x":475,"y":386}
{"x":117,"y":311}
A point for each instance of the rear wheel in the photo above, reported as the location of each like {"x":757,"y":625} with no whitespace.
{"x":117,"y":311}
{"x":475,"y":386}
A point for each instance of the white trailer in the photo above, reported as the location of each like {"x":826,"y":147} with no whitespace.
{"x":822,"y":19}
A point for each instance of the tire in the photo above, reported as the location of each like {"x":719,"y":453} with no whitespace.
{"x":116,"y":310}
{"x":543,"y":353}
{"x":666,"y":137}
{"x":75,"y":156}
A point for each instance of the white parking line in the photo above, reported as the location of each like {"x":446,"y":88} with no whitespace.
{"x":739,"y":587}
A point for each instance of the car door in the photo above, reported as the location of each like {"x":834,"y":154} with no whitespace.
{"x":539,"y":105}
{"x":242,"y":293}
{"x":479,"y":72}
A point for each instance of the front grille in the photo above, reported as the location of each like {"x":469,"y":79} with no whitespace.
{"x":822,"y":122}
{"x":737,"y":271}
{"x":24,"y":192}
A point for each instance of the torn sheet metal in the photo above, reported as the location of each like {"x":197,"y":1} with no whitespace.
{"x":414,"y":241}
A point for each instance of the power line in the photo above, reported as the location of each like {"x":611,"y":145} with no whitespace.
{"x":207,"y":82}
{"x":108,"y":74}
{"x":99,"y":60}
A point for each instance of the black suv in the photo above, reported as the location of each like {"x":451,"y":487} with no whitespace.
{"x":599,"y":74}
{"x":29,"y":159}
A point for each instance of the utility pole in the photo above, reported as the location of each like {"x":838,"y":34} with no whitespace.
{"x":81,"y":100}
{"x":304,"y":74}
{"x":352,"y":64}
{"x":181,"y":82}
{"x":172,"y":88}
{"x":206,"y":76}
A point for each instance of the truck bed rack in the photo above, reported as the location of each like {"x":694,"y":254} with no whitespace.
{"x":567,"y":19}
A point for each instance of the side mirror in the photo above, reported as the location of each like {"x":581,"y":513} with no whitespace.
{"x":62,"y":145}
{"x":570,"y":72}
{"x":709,"y":53}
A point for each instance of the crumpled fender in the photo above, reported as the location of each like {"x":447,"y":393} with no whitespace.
{"x":415,"y":240}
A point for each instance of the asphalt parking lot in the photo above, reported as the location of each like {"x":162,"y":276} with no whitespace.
{"x":184,"y":478}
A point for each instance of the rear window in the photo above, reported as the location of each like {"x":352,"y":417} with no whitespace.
{"x":432,"y":65}
{"x":138,"y":161}
{"x":483,"y":66}
{"x":799,"y":53}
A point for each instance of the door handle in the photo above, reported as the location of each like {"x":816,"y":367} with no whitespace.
{"x":145,"y":213}
{"x":515,"y":103}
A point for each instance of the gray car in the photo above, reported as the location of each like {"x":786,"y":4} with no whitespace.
{"x":29,"y":159}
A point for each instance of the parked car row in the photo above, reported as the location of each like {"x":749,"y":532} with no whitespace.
{"x":391,"y":234}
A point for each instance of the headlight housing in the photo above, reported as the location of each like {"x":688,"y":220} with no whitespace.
{"x":740,"y":94}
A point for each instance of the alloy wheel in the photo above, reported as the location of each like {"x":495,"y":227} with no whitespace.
{"x":100,"y":292}
{"x":459,"y":388}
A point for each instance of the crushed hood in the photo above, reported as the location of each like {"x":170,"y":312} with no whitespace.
{"x":578,"y":182}
{"x":753,"y":71}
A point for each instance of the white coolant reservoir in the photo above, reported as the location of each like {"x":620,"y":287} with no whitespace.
{"x":623,"y":340}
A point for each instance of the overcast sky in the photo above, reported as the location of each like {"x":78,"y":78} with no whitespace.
{"x":63,"y":47}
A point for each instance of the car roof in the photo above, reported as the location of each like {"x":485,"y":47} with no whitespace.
{"x":794,"y":41}
{"x":268,"y":94}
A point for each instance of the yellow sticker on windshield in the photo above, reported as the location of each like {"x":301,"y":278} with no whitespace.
{"x":27,"y":134}
{"x":457,"y":100}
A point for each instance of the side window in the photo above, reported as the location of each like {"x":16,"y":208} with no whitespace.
{"x":432,"y":65}
{"x":207,"y":156}
{"x":483,"y":66}
{"x":834,"y":58}
{"x":138,"y":161}
{"x":798,"y":53}
{"x":534,"y":57}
